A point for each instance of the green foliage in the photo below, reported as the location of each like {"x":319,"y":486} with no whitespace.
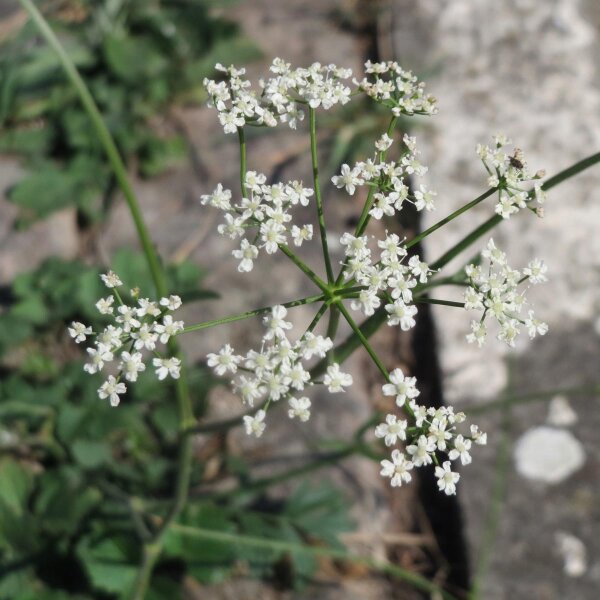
{"x":138,"y":57}
{"x":70,"y":466}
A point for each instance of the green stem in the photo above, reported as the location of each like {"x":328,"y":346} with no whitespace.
{"x":238,"y":539}
{"x":450,"y":217}
{"x":364,"y":341}
{"x":363,"y":220}
{"x":319,"y":201}
{"x":305,"y":269}
{"x":152,"y":549}
{"x":483,"y":407}
{"x":425,"y":300}
{"x":317,"y":317}
{"x":251,"y":313}
{"x":488,"y":225}
{"x":110,"y":148}
{"x":242,"y":139}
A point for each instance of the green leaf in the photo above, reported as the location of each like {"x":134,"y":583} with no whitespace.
{"x":110,"y":562}
{"x":63,"y":501}
{"x":91,"y":454}
{"x":133,"y":59}
{"x":15,"y":484}
{"x":207,"y":560}
{"x":160,"y":155}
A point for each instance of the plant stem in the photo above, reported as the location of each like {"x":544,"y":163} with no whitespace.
{"x":110,"y":148}
{"x":363,"y":220}
{"x":151,"y":550}
{"x":450,"y":217}
{"x":305,"y":269}
{"x":291,"y":547}
{"x":364,"y":341}
{"x":319,"y":201}
{"x":251,"y":313}
{"x":426,"y":300}
{"x":242,"y":139}
{"x":482,"y":229}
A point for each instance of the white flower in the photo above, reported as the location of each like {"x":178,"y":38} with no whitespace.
{"x":317,"y":345}
{"x":478,"y":436}
{"x":127,"y":316}
{"x":478,"y":333}
{"x":220,"y":198}
{"x":425,"y":199}
{"x":272,"y":234}
{"x":392,"y":430}
{"x":536,"y":271}
{"x":131,"y":365}
{"x":419,"y":269}
{"x":296,"y":376}
{"x":171,"y":303}
{"x":382,"y":205}
{"x":168,"y":328}
{"x":98,"y":357}
{"x":421,"y":451}
{"x":275,"y":323}
{"x":105,"y":305}
{"x":493,"y":254}
{"x":147,"y":307}
{"x":224,"y":361}
{"x":79,"y":331}
{"x":111,"y":279}
{"x":535,"y":326}
{"x":299,"y":407}
{"x":384,"y":142}
{"x":401,"y":387}
{"x":397,"y":469}
{"x":167,"y":366}
{"x":336,"y":380}
{"x":111,"y":389}
{"x":367,"y":302}
{"x":301,"y":234}
{"x":461,"y":450}
{"x":447,"y":479}
{"x":255,"y":425}
{"x":234,"y":226}
{"x":144,"y":338}
{"x":249,"y":389}
{"x":438,"y":432}
{"x":349,"y":179}
{"x":246,"y":254}
{"x":401,"y":314}
{"x":110,"y":337}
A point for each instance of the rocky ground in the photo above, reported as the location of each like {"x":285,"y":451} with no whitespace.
{"x":528,"y":69}
{"x":523,"y":67}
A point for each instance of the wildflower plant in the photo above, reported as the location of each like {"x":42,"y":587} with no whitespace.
{"x":381,"y":278}
{"x":378,"y":278}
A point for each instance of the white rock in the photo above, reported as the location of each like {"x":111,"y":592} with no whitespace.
{"x":548,"y":454}
{"x":573,"y":552}
{"x":561,"y":413}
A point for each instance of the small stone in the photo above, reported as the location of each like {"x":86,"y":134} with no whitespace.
{"x":548,"y":454}
{"x":561,"y":413}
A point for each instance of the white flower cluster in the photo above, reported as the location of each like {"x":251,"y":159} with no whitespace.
{"x":277,"y":371}
{"x":389,"y":84}
{"x":389,"y":278}
{"x":137,"y":329}
{"x":279,"y":97}
{"x":508,"y":173}
{"x":433,"y":430}
{"x":389,"y":178}
{"x":494,"y":292}
{"x":265,"y":212}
